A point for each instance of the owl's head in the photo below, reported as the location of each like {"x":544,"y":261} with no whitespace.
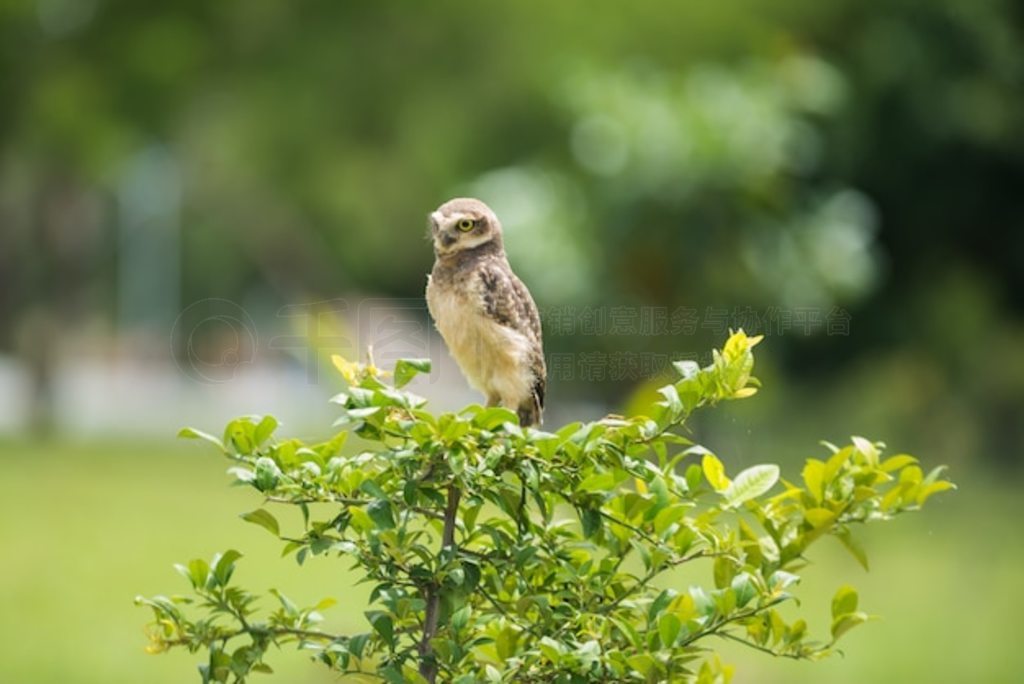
{"x":462,"y":224}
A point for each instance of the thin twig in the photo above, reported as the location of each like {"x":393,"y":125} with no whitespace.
{"x":722,"y":624}
{"x":512,"y":618}
{"x":757,"y":647}
{"x":346,"y":501}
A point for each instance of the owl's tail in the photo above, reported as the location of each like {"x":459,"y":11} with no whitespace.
{"x":529,"y":412}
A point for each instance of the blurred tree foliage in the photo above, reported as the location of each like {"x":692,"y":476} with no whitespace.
{"x":817,"y":154}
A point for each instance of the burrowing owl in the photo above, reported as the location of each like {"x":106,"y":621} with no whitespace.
{"x":484,"y":312}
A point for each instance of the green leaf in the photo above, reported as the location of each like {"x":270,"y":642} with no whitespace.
{"x":360,"y":520}
{"x":693,"y":473}
{"x":751,"y":483}
{"x":591,"y":521}
{"x":844,"y":601}
{"x":192,"y":433}
{"x":224,"y":566}
{"x":381,"y":514}
{"x":407,"y":369}
{"x":460,"y":618}
{"x":265,"y":429}
{"x":239,"y":435}
{"x":744,"y":588}
{"x":264,"y":519}
{"x":494,"y":417}
{"x":686,"y":368}
{"x":551,"y":649}
{"x":672,"y":401}
{"x":702,"y":602}
{"x":845,"y":537}
{"x":373,"y":489}
{"x":865,"y":447}
{"x":412,"y":676}
{"x":844,"y":623}
{"x":357,"y":644}
{"x":642,"y":663}
{"x":778,"y":626}
{"x":598,"y":482}
{"x":781,"y":579}
{"x":383,"y":625}
{"x":668,"y":629}
{"x":289,"y":606}
{"x":364,"y":412}
{"x":836,"y":462}
{"x":667,"y":517}
{"x":198,"y":572}
{"x":392,"y":675}
{"x":724,"y":570}
{"x":268,"y":475}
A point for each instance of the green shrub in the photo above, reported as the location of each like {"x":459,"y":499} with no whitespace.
{"x":503,"y":554}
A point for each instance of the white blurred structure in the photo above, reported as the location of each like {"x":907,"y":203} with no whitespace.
{"x":287,"y":375}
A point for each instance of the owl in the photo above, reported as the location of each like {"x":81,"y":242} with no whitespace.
{"x":483,"y":311}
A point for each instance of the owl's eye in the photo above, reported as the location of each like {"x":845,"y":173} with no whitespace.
{"x":465,"y":225}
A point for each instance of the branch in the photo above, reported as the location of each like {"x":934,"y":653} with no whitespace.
{"x":632,"y":528}
{"x":302,"y":633}
{"x":428,"y":663}
{"x":511,"y":618}
{"x":763,"y":649}
{"x":717,"y":627}
{"x":260,"y":630}
{"x":345,"y":501}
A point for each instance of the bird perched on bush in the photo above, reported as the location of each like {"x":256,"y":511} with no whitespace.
{"x":483,"y":311}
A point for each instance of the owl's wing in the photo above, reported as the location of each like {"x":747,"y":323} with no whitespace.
{"x":507,"y":301}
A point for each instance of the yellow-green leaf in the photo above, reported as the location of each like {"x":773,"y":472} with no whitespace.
{"x":264,"y":519}
{"x":896,"y":462}
{"x":192,"y":433}
{"x":819,"y":517}
{"x":933,"y":488}
{"x":865,"y":447}
{"x":844,"y":601}
{"x":814,"y":478}
{"x":506,"y":643}
{"x":714,"y":471}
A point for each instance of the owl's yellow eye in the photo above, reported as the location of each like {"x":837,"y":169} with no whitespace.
{"x":465,"y":225}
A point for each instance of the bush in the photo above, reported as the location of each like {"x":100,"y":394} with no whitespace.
{"x":503,"y":554}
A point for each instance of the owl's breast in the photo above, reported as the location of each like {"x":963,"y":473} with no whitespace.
{"x":451,"y":310}
{"x":492,"y":356}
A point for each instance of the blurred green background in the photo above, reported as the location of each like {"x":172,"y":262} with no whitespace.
{"x":200,"y":201}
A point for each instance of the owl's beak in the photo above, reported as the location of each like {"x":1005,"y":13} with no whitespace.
{"x":447,"y":239}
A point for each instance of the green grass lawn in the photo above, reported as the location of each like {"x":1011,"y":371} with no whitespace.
{"x":84,"y":528}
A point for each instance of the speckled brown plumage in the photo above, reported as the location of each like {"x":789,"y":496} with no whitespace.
{"x":483,"y":311}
